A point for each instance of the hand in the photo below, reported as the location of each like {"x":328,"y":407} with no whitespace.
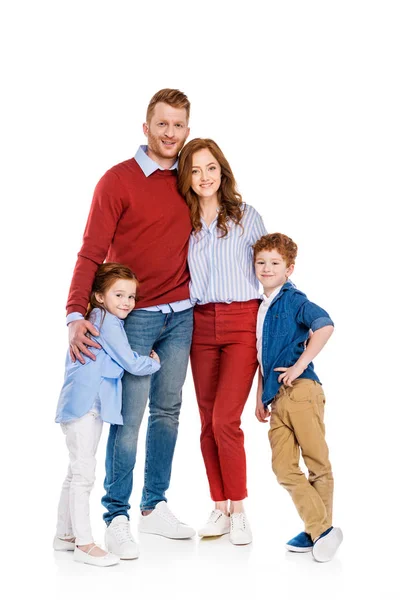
{"x":289,"y":374}
{"x":262,"y":413}
{"x":79,"y":342}
{"x":154,"y":356}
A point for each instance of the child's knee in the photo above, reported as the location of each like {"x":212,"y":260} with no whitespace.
{"x":285,"y":473}
{"x":84,"y":472}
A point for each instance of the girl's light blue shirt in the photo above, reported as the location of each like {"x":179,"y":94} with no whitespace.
{"x":222,"y":268}
{"x":100,"y":379}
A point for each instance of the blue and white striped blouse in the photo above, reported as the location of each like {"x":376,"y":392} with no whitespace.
{"x":221,"y":268}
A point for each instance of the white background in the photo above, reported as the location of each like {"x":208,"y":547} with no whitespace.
{"x":303,"y":97}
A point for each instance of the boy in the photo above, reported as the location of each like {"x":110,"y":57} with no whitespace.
{"x":294,"y":398}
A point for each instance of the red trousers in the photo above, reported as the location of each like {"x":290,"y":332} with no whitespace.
{"x":224,"y":361}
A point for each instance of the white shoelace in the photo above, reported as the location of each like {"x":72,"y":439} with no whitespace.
{"x":123,"y":533}
{"x":168,"y":516}
{"x":215,"y":515}
{"x":238,"y":521}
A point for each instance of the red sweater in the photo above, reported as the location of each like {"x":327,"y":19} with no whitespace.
{"x":142,"y":222}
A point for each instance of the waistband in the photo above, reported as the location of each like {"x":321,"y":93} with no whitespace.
{"x":224,"y":307}
{"x":297,"y":383}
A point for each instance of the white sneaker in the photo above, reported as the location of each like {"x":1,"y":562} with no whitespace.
{"x":325,"y":545}
{"x":217,"y":524}
{"x":60,"y":544}
{"x":97,"y":561}
{"x":119,"y":539}
{"x":161,"y":521}
{"x":240,"y":530}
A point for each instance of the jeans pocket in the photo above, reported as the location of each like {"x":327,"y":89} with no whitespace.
{"x":299,"y":399}
{"x":300,"y":396}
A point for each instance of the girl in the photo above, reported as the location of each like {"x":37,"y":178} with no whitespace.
{"x":223,"y":355}
{"x":90,"y":395}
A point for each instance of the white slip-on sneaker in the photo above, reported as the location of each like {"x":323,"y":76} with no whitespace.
{"x":119,"y":539}
{"x":97,"y":561}
{"x":218,"y":524}
{"x":60,"y":544}
{"x":161,"y":521}
{"x":240,"y":533}
{"x":326,"y":544}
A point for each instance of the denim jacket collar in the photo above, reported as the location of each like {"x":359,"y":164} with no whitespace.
{"x":287,"y":286}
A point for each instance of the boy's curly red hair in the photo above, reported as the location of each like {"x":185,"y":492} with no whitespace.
{"x":279,"y":242}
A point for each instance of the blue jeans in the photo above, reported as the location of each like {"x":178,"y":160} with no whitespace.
{"x":170,"y":335}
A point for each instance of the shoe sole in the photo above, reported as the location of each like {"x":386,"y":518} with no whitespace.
{"x":241,"y":543}
{"x":131,"y":557}
{"x":86,"y":559}
{"x":325,"y":548}
{"x":213,"y":534}
{"x":170,"y":537}
{"x":298,"y":549}
{"x":83,"y":562}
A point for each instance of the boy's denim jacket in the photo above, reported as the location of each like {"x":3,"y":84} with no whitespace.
{"x":286,"y":328}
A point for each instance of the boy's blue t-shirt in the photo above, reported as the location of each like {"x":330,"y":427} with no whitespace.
{"x":286,"y":327}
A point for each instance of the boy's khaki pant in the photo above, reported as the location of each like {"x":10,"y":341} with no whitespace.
{"x":297,"y":423}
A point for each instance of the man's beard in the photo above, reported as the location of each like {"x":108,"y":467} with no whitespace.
{"x":156,"y":146}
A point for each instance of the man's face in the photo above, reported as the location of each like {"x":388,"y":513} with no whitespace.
{"x":271,"y":270}
{"x":166,"y":132}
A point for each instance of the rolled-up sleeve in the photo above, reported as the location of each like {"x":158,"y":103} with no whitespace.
{"x":313,"y":316}
{"x":321,"y":322}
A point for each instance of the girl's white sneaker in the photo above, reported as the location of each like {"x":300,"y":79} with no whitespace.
{"x":98,"y":561}
{"x":218,"y":524}
{"x":240,"y":530}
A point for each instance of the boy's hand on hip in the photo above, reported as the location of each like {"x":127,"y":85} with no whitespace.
{"x":262,"y":413}
{"x":289,"y":374}
{"x":79,"y":341}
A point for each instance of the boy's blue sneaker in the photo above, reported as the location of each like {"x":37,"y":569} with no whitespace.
{"x":327,"y":543}
{"x":300,"y":543}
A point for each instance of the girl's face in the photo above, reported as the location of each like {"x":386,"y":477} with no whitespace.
{"x":120,"y":298}
{"x":206,"y":174}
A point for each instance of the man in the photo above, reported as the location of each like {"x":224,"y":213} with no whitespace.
{"x":139,"y":219}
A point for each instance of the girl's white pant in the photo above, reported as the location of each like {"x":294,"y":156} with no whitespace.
{"x":82,"y":438}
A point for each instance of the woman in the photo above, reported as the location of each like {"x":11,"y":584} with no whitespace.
{"x":223,"y":355}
